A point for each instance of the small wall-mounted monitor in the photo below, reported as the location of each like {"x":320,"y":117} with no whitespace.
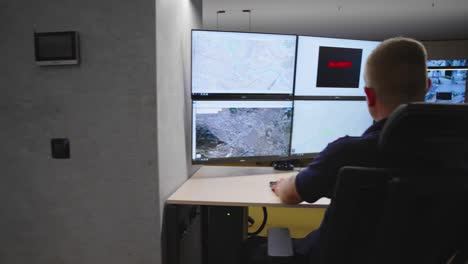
{"x":237,"y":131}
{"x":56,"y":48}
{"x":319,"y":122}
{"x":331,"y":67}
{"x":230,"y":63}
{"x":448,"y":81}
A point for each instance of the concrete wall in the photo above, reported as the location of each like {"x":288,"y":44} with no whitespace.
{"x":174,"y":21}
{"x":102,"y":205}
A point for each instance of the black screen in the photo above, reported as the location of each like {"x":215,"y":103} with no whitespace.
{"x":339,"y":67}
{"x":444,"y":96}
{"x":55,"y":46}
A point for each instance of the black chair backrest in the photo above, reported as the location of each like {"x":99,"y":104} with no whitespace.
{"x":348,"y":236}
{"x":427,"y":133}
{"x":425,"y":218}
{"x":415,"y":210}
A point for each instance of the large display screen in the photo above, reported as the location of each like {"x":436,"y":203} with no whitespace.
{"x":319,"y":122}
{"x":236,"y":130}
{"x":448,"y":81}
{"x":242,"y":63}
{"x":331,"y":67}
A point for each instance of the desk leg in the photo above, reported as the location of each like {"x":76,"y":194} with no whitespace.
{"x":224,"y":230}
{"x":181,"y":238}
{"x":203,"y":234}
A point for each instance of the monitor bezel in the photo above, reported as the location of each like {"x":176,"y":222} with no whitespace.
{"x":233,"y":96}
{"x":447,"y":68}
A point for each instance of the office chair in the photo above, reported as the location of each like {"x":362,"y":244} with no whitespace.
{"x":412,"y":210}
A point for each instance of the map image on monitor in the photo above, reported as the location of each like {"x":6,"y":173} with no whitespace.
{"x":237,"y":129}
{"x":447,"y":86}
{"x":242,"y":63}
{"x":339,"y":67}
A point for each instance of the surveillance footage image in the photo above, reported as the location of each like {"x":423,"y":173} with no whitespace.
{"x":247,"y":63}
{"x":447,"y":63}
{"x":317,"y":123}
{"x":331,"y":67}
{"x":447,"y":85}
{"x":239,"y":129}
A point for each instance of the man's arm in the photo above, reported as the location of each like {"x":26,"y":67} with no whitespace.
{"x":286,"y":191}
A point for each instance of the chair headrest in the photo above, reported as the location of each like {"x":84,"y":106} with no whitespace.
{"x":427,"y":130}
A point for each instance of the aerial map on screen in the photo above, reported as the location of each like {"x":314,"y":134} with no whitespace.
{"x":228,"y":62}
{"x":237,"y":129}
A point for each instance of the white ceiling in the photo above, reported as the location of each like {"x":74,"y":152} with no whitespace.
{"x":362,"y":19}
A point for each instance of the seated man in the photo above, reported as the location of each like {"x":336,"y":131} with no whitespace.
{"x":395,"y":74}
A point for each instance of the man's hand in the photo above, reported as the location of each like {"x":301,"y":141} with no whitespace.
{"x":286,"y":190}
{"x":275,"y":187}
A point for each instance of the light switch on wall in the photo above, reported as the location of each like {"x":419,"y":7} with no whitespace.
{"x":60,"y":148}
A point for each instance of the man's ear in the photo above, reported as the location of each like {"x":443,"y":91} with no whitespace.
{"x":370,"y":94}
{"x":429,"y":84}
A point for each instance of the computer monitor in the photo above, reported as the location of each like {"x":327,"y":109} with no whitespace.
{"x":319,"y":122}
{"x":237,"y":131}
{"x":242,"y":63}
{"x":331,"y":67}
{"x":448,"y":81}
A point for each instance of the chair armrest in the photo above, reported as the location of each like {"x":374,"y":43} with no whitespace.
{"x":279,"y":243}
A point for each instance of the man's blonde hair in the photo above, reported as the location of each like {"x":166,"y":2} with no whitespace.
{"x":397,"y":71}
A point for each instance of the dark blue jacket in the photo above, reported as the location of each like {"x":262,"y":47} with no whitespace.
{"x":318,"y":179}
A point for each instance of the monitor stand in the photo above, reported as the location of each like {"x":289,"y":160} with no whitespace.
{"x":283,"y":165}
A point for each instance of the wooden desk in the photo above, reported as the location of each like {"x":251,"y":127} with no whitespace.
{"x":211,"y":207}
{"x":235,"y":186}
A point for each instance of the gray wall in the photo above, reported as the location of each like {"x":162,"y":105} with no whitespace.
{"x":447,"y":49}
{"x":102,"y":205}
{"x":174,"y":21}
{"x":368,"y":19}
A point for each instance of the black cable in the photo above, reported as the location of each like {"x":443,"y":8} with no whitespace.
{"x":262,"y":226}
{"x":251,"y":221}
